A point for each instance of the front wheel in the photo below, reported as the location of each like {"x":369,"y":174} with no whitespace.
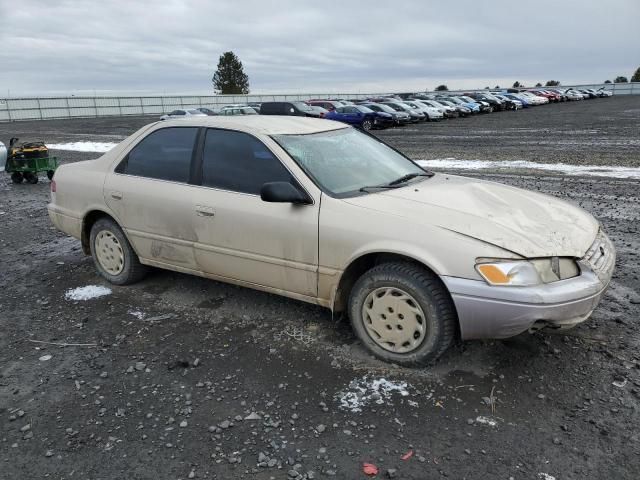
{"x":367,"y":125}
{"x":113,"y":255}
{"x":16,"y":177}
{"x":402,"y":313}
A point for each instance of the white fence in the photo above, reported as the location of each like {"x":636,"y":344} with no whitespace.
{"x":43,"y":108}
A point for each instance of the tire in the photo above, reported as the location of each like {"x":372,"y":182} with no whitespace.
{"x":367,"y":125}
{"x":50,"y":174}
{"x":423,"y":292}
{"x":31,"y":178}
{"x":113,"y":255}
{"x":16,"y":177}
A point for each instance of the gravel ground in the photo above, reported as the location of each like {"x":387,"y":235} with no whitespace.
{"x":182,"y":377}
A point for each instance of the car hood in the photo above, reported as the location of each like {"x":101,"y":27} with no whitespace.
{"x":527,"y":223}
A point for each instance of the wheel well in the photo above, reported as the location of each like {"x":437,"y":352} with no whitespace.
{"x":358,"y":267}
{"x":89,"y":220}
{"x":362,"y":264}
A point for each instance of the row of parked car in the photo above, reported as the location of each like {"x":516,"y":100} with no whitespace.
{"x":402,"y":109}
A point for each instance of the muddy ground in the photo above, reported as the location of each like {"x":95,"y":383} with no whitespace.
{"x":182,"y":377}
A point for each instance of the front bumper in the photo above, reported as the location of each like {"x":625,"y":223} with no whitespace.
{"x":486,"y":311}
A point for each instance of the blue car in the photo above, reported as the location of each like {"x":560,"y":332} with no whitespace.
{"x":473,"y":106}
{"x":359,"y":116}
{"x":520,"y":99}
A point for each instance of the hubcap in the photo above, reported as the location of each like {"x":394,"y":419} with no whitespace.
{"x":394,"y":320}
{"x":109,"y":252}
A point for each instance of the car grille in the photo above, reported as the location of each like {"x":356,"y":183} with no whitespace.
{"x":601,"y":256}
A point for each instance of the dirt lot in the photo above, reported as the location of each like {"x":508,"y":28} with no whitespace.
{"x":181,"y":377}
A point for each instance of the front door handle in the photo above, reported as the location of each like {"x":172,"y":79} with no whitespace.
{"x":116,"y":195}
{"x":204,"y":211}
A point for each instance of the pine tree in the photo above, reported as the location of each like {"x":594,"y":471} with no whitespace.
{"x":621,"y":79}
{"x":516,"y":84}
{"x":552,"y":83}
{"x":441,"y":88}
{"x":636,"y":76}
{"x":230,"y":77}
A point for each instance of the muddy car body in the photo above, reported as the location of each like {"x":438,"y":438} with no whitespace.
{"x":317,"y":211}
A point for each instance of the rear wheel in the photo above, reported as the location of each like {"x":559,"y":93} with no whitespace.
{"x":50,"y":174}
{"x":402,"y":313}
{"x":113,"y":255}
{"x":16,"y":177}
{"x":367,"y":125}
{"x":31,"y":178}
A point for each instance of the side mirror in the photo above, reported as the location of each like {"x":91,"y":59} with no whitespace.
{"x":283,"y":192}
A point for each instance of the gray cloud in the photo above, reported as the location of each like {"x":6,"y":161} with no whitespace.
{"x":173,"y":46}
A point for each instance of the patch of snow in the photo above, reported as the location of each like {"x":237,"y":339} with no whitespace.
{"x":365,"y":390}
{"x":139,"y":314}
{"x":546,"y":476}
{"x":565,"y":168}
{"x":99,"y":147}
{"x":486,"y":421}
{"x":87,"y":293}
{"x":45,"y":358}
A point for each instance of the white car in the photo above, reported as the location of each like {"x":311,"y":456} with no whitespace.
{"x":574,"y":95}
{"x":534,"y":99}
{"x":433,"y":114}
{"x":234,"y":105}
{"x":601,"y":92}
{"x":445,"y":109}
{"x":183,"y":113}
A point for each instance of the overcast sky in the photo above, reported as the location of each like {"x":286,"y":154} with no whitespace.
{"x":173,"y":46}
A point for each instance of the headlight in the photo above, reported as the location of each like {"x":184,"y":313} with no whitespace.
{"x":509,"y":273}
{"x":523,"y":273}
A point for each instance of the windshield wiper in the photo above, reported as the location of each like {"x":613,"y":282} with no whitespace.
{"x":372,"y":187}
{"x":407,"y":177}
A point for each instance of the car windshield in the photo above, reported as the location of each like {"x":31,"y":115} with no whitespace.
{"x":364,"y":109}
{"x":385,"y":108}
{"x":303,"y":107}
{"x":468,"y":99}
{"x":344,"y":161}
{"x":195,"y":112}
{"x":397,"y":108}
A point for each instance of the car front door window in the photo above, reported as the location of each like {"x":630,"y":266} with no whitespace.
{"x":239,"y":162}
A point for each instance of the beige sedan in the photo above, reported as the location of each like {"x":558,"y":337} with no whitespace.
{"x":320,"y":212}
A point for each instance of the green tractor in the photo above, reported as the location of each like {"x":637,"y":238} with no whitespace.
{"x":25,"y":160}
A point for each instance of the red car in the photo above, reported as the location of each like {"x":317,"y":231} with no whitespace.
{"x":330,"y":105}
{"x":553,"y":97}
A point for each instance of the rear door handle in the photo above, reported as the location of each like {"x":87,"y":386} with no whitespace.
{"x":204,"y":211}
{"x":116,"y":195}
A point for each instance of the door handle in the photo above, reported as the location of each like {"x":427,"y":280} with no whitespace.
{"x":116,"y":195}
{"x":204,"y":211}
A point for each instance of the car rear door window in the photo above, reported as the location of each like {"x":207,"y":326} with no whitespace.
{"x":164,"y":154}
{"x":239,"y":162}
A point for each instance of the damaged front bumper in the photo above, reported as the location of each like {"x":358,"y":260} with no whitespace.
{"x":486,"y":311}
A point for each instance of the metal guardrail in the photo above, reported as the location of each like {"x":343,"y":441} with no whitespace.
{"x":43,"y":108}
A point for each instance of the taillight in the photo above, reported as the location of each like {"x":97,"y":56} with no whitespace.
{"x":53,"y":186}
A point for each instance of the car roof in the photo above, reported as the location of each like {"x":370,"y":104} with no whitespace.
{"x":264,"y":124}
